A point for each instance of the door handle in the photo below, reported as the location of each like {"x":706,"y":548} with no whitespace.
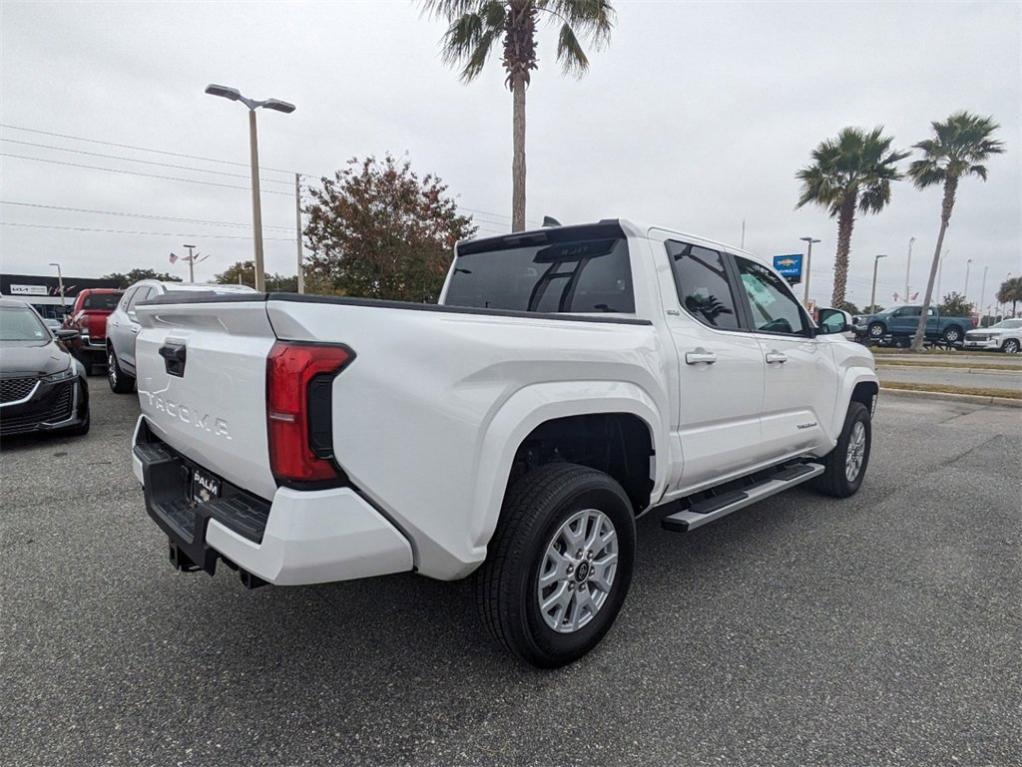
{"x":700,"y":355}
{"x":135,"y":329}
{"x":775,"y":357}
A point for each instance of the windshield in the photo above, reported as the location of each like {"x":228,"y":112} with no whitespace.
{"x":1008,"y":324}
{"x":102,"y":301}
{"x":21,"y":324}
{"x":575,"y":269}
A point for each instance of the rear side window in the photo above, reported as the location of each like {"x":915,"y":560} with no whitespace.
{"x":141,"y":294}
{"x":581,"y":269}
{"x":703,"y":286}
{"x":125,"y":301}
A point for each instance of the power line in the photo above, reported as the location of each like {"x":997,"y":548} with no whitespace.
{"x":125,"y":231}
{"x":137,"y":173}
{"x":141,"y":148}
{"x":132,"y":159}
{"x":138,"y":215}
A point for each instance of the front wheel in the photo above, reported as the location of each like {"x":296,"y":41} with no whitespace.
{"x":1010,"y":346}
{"x":559,"y":564}
{"x":877,"y":330}
{"x":845,"y":465}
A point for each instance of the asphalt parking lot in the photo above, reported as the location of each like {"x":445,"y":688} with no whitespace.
{"x":885,"y":629}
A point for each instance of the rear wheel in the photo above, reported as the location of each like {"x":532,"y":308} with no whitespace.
{"x":845,"y":465}
{"x":559,"y":564}
{"x":120,"y":382}
{"x":952,"y":335}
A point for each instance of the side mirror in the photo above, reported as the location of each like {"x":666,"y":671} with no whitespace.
{"x":833,"y":321}
{"x":65,"y":334}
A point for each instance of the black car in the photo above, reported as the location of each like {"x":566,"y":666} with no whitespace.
{"x":42,"y":387}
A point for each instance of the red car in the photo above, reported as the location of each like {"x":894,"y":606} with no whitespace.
{"x":88,"y":317}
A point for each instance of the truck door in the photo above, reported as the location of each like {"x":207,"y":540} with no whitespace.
{"x":720,"y":367}
{"x":800,"y":382}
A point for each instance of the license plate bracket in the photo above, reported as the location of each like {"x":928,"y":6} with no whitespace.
{"x":205,"y":486}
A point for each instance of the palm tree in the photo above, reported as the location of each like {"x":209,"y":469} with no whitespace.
{"x":849,"y":173}
{"x":962,"y":145}
{"x":476,"y":27}
{"x":1010,"y":292}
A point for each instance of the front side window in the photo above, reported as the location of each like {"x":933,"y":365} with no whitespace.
{"x":703,"y":286}
{"x":774,"y":308}
{"x":574,"y":269}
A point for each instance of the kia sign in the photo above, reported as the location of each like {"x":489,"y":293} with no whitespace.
{"x":789,"y":267}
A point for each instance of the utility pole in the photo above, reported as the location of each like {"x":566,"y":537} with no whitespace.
{"x":298,"y":221}
{"x":742,"y":244}
{"x":809,"y":260}
{"x":191,"y":262}
{"x":908,"y":268}
{"x":982,"y":294}
{"x":873,"y":292}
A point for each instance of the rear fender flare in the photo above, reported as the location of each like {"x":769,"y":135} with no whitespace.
{"x":533,"y":405}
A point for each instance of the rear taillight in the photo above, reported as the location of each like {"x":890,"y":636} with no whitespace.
{"x":299,"y":382}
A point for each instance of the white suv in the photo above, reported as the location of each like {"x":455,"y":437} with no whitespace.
{"x":122,"y":325}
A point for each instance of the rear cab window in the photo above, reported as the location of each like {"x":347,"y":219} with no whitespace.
{"x":704,"y":289}
{"x":101,"y":301}
{"x":580,"y":269}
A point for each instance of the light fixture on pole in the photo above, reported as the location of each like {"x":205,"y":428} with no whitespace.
{"x":60,"y":283}
{"x":908,"y":268}
{"x":233,"y":94}
{"x":873,"y":292}
{"x":809,"y":261}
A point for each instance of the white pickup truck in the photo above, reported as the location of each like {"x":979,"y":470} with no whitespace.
{"x":570,"y":380}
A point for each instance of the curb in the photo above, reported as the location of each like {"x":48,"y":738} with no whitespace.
{"x":975,"y":399}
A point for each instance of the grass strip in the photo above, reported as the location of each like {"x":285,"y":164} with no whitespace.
{"x":1011,"y":367}
{"x":947,"y":389}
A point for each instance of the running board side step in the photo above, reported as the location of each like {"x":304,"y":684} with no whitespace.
{"x":710,"y":509}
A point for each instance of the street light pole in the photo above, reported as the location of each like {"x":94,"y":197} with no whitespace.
{"x":809,"y":261}
{"x":233,"y":94}
{"x":873,"y":292}
{"x":982,"y":294}
{"x":966,"y":293}
{"x":908,"y":268}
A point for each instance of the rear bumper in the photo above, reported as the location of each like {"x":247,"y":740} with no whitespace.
{"x":300,"y":537}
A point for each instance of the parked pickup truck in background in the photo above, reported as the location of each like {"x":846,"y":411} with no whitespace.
{"x":900,"y":322}
{"x":571,"y":379}
{"x":88,"y":316}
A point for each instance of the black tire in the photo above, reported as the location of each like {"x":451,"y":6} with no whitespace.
{"x":834,"y":481}
{"x":507,"y":585}
{"x":876,"y":331}
{"x":952,"y":335}
{"x":1010,"y":346}
{"x":120,"y":382}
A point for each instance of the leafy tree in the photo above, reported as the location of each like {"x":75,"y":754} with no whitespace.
{"x":378,"y":230}
{"x":126,"y":280}
{"x":849,"y":173}
{"x":872,"y":309}
{"x":961,"y":145}
{"x":243,"y":273}
{"x":1010,"y":292}
{"x":848,"y":306}
{"x":955,"y":305}
{"x":477,"y":26}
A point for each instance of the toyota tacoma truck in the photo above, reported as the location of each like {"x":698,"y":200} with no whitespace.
{"x":570,"y":380}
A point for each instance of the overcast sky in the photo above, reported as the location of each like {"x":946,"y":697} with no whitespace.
{"x":695,"y":117}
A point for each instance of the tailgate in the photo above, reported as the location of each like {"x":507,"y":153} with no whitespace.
{"x":201,"y":373}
